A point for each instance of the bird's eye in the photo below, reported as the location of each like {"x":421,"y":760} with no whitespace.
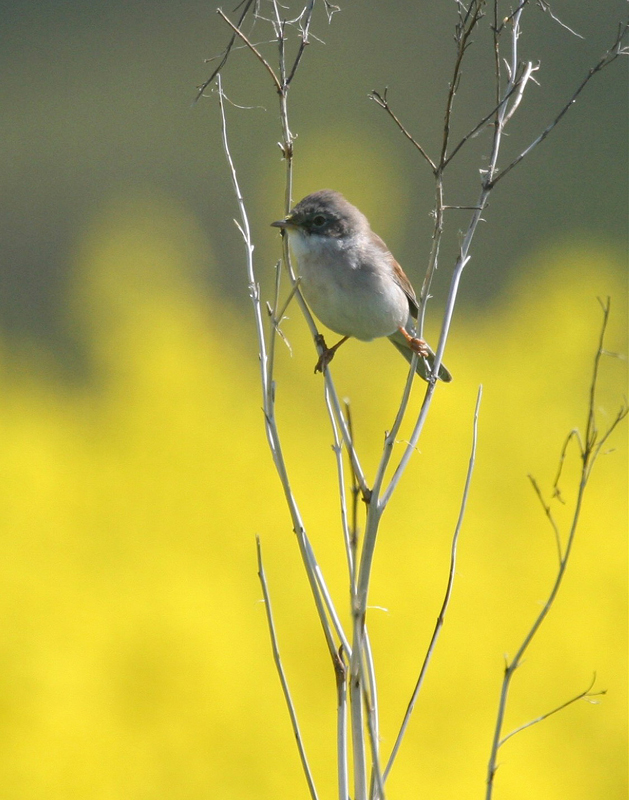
{"x":319,"y":221}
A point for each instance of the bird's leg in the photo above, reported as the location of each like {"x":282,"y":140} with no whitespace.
{"x":328,"y":352}
{"x":418,"y":346}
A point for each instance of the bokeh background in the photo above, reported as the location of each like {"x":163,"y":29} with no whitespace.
{"x":135,"y":660}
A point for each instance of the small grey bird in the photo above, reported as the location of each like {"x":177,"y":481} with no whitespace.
{"x":351,"y":281}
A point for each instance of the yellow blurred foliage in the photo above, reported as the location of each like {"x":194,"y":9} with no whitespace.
{"x":135,"y":660}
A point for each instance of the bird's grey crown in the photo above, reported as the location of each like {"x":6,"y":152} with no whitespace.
{"x":328,"y":213}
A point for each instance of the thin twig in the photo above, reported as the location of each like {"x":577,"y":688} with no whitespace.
{"x":377,"y":505}
{"x":608,"y":58}
{"x":530,"y":723}
{"x":468,"y":19}
{"x":276,"y":315}
{"x":355,"y":493}
{"x":478,"y":127}
{"x":448,"y":592}
{"x":574,"y":434}
{"x":330,"y":9}
{"x":280,"y":671}
{"x":340,"y":470}
{"x":252,"y":47}
{"x":547,"y":9}
{"x":366,"y":492}
{"x":235,"y":49}
{"x":305,"y":30}
{"x":228,"y":49}
{"x":464,"y":32}
{"x":496,"y":53}
{"x":381,"y":100}
{"x":592,"y":435}
{"x":433,"y":259}
{"x":591,"y":431}
{"x":519,"y":88}
{"x":549,"y":515}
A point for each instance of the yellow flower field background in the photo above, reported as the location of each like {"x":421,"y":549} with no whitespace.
{"x":135,"y":654}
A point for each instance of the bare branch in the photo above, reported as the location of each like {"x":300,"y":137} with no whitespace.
{"x":448,"y":592}
{"x":585,"y":694}
{"x":277,"y":316}
{"x":589,"y":454}
{"x":520,"y":86}
{"x":317,"y":585}
{"x":338,"y":454}
{"x":252,"y":47}
{"x":461,"y":208}
{"x":608,"y":58}
{"x":593,"y":441}
{"x":381,"y":100}
{"x":236,"y":48}
{"x":479,"y":127}
{"x":282,"y":676}
{"x":547,"y":9}
{"x":464,"y":31}
{"x":341,"y":725}
{"x":228,"y":49}
{"x":590,"y":429}
{"x":370,"y":698}
{"x":498,"y":30}
{"x":574,"y":434}
{"x":330,"y":9}
{"x":549,"y":514}
{"x":355,"y":493}
{"x":305,"y":29}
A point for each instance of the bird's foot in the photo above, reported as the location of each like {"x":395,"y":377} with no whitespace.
{"x":417,"y":345}
{"x":327,"y":353}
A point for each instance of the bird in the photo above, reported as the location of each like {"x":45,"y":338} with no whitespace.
{"x":351,"y":281}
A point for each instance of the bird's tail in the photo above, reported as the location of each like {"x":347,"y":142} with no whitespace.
{"x":424,"y":365}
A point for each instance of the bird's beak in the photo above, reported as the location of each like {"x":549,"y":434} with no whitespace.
{"x":283,"y":223}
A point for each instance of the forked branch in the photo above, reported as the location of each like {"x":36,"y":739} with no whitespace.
{"x":590,"y":448}
{"x":615,"y":51}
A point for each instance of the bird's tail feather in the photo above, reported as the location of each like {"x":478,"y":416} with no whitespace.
{"x":424,"y":366}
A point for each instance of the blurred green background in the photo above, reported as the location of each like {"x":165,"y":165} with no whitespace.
{"x":135,"y":660}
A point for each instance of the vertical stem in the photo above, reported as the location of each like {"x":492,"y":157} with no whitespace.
{"x":312,"y":570}
{"x":357,"y":717}
{"x":341,"y":729}
{"x":280,"y":669}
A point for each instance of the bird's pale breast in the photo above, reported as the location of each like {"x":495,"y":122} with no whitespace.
{"x":344,"y":291}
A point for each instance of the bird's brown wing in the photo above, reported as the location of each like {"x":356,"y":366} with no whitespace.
{"x":400,"y":278}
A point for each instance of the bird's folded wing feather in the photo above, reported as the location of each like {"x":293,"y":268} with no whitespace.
{"x":400,"y":278}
